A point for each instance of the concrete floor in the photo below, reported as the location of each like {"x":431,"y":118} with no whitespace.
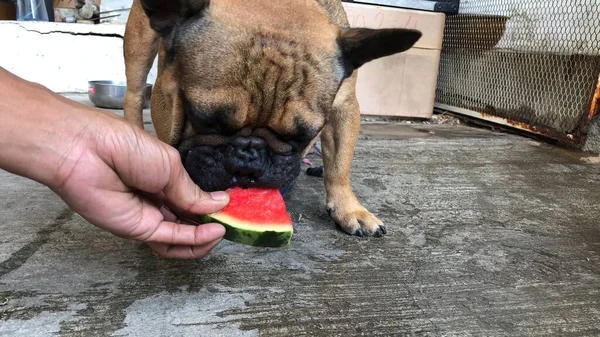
{"x":489,"y":235}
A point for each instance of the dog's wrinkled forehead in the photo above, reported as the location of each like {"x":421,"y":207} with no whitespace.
{"x":214,"y":54}
{"x":218,"y":45}
{"x":255,"y":62}
{"x":302,"y":21}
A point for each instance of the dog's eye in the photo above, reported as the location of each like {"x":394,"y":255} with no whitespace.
{"x":300,"y":139}
{"x":211,"y":119}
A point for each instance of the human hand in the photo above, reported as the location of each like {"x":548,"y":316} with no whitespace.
{"x":121,"y":181}
{"x":113,"y":174}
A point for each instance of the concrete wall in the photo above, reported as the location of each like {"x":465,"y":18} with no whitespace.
{"x":64,"y":57}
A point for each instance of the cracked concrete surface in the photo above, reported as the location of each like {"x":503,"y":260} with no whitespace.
{"x":120,"y":36}
{"x":489,"y":235}
{"x":46,"y":28}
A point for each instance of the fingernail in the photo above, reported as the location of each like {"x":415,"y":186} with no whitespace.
{"x":218,"y":196}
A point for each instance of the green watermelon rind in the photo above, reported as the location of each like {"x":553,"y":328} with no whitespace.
{"x":251,"y":237}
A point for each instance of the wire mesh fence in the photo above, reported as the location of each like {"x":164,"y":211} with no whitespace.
{"x":528,"y":61}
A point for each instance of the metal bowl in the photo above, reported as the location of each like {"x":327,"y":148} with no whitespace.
{"x":111,"y":94}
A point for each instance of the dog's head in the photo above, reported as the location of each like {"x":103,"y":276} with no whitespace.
{"x":246,"y":85}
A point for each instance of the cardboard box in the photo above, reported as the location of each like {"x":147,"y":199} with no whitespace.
{"x":7,"y":11}
{"x":402,"y":84}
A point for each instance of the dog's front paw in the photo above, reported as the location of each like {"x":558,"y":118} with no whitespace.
{"x":354,"y":219}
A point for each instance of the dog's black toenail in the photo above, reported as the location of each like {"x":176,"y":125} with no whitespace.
{"x":383,"y":229}
{"x":329,"y":211}
{"x":378,"y":233}
{"x":359,"y":233}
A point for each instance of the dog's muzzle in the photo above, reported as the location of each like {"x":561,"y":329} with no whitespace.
{"x":242,"y":160}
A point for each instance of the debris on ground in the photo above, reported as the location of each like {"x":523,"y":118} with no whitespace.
{"x":445,"y":119}
{"x":440,"y":118}
{"x":315,"y":171}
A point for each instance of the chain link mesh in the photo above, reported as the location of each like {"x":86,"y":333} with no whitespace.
{"x":531,"y":61}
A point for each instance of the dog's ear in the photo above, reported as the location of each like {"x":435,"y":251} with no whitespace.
{"x":164,"y":15}
{"x":362,"y":45}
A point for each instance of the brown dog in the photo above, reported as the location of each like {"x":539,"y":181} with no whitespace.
{"x":245,"y":87}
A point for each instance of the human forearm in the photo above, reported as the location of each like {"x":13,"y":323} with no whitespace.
{"x":40,"y":129}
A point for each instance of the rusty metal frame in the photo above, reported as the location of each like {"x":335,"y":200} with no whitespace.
{"x":576,"y":138}
{"x":540,"y":131}
{"x":595,"y":106}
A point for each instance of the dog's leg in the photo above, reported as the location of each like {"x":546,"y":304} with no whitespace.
{"x":139,"y":49}
{"x":338,"y":139}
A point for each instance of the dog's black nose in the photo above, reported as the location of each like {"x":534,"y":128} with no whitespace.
{"x":249,"y":143}
{"x":248,"y":149}
{"x":246,"y":161}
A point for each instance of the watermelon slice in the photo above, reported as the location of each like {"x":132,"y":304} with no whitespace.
{"x":255,"y":217}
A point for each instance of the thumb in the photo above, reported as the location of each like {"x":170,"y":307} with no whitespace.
{"x":182,"y":193}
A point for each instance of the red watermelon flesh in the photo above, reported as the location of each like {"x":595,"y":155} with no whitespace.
{"x":256,"y":217}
